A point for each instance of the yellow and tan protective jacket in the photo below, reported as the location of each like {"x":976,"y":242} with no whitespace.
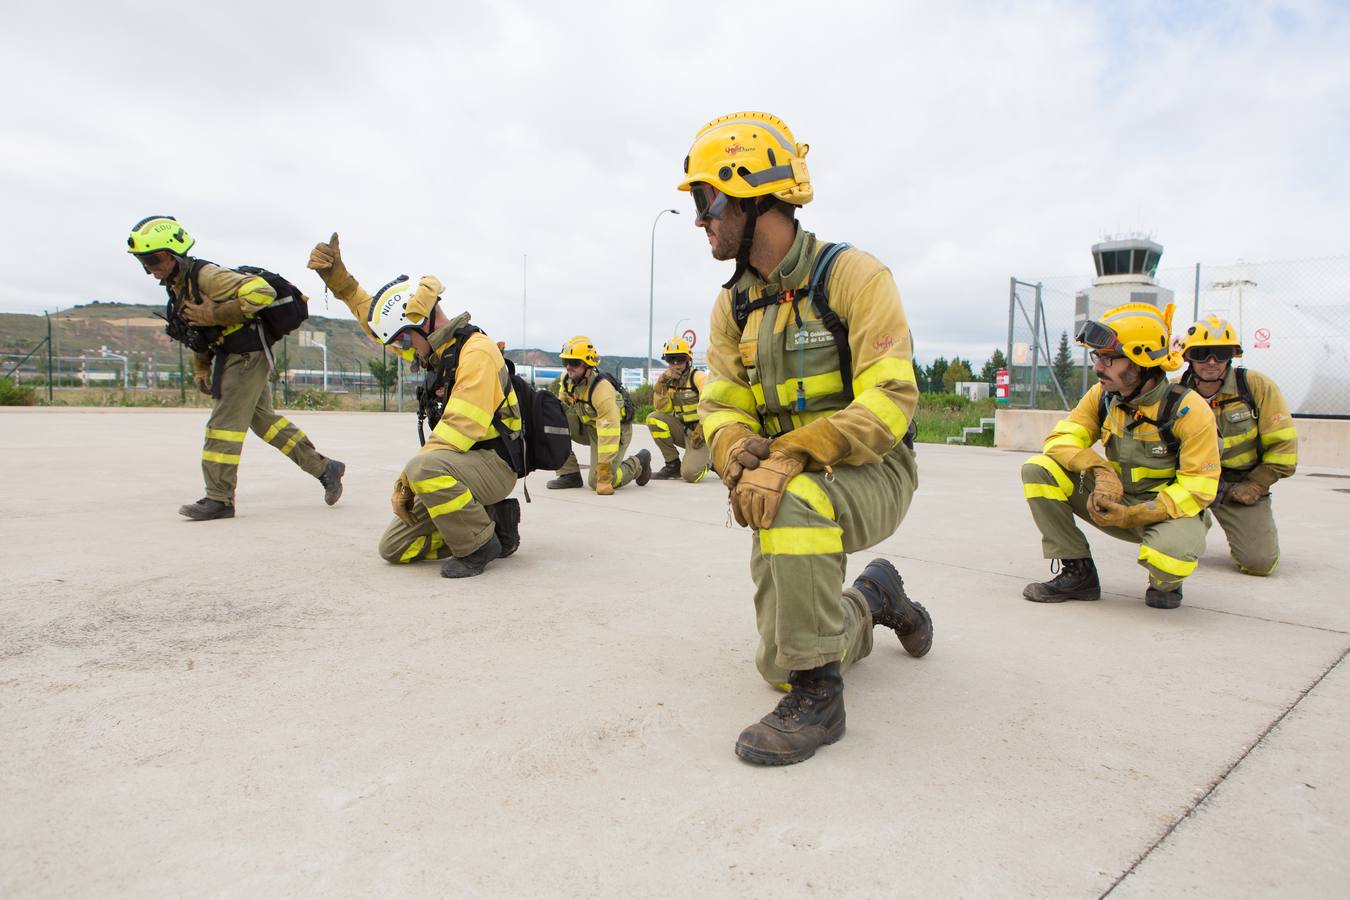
{"x":597,"y":405}
{"x":218,"y":284}
{"x":782,"y":372}
{"x":680,"y":398}
{"x":482,"y":383}
{"x":1259,"y":444}
{"x":1184,"y":480}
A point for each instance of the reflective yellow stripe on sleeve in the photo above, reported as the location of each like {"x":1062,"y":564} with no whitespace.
{"x":1234,"y":439}
{"x":1184,"y":500}
{"x":1071,"y":429}
{"x":731,"y":394}
{"x":252,"y":291}
{"x":1275,"y":437}
{"x":713,"y":422}
{"x":1199,"y":485}
{"x":1280,"y":459}
{"x":888,"y":369}
{"x":1239,"y":461}
{"x":453,"y":436}
{"x":879,"y":404}
{"x":469,"y":411}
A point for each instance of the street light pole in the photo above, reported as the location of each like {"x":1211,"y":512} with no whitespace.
{"x":651,"y":295}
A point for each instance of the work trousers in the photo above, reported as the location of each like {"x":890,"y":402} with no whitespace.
{"x":1252,"y":539}
{"x":805,"y":615}
{"x":669,"y":433}
{"x":246,"y":402}
{"x":621,"y":473}
{"x":453,"y":491}
{"x":1169,"y":550}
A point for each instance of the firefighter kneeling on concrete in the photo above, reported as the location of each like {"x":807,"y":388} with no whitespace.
{"x":808,"y":410}
{"x":1257,"y":437}
{"x":214,"y":310}
{"x":1160,"y":471}
{"x":451,"y":499}
{"x":599,"y":414}
{"x":673,"y":421}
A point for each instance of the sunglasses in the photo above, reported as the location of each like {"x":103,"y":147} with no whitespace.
{"x":1101,"y":356}
{"x":1218,"y":354}
{"x":150,"y":259}
{"x":709,"y":202}
{"x":403,"y":340}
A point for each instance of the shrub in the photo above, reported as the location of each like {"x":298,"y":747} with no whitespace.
{"x":12,"y":394}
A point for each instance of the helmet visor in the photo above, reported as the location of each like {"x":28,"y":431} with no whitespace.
{"x":1097,"y":336}
{"x":709,"y":202}
{"x":1218,"y":354}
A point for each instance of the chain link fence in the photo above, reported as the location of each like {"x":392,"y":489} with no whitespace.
{"x":1293,"y":318}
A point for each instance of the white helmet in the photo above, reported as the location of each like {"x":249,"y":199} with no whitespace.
{"x":400,"y":305}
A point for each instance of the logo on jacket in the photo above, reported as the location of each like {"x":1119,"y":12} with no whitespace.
{"x":883,"y":344}
{"x":1239,"y":415}
{"x":1158,"y":449}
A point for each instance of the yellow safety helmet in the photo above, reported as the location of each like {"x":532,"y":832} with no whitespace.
{"x":155,"y":233}
{"x":749,"y":154}
{"x":676,"y":347}
{"x":581,"y":349}
{"x":1140,"y":332}
{"x":400,"y":306}
{"x":1211,"y":331}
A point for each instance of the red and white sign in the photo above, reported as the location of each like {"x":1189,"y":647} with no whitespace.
{"x":1262,"y":338}
{"x":690,"y":337}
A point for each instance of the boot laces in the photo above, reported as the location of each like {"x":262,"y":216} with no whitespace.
{"x":790,"y":707}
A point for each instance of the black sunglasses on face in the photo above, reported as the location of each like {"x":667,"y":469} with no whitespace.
{"x":1218,"y":354}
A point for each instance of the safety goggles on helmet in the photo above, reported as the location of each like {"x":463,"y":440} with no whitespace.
{"x":1097,"y":336}
{"x":709,"y":202}
{"x":1218,"y":354}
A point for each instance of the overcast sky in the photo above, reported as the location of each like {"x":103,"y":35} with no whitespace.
{"x":958,"y":142}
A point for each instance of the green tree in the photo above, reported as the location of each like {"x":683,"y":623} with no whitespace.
{"x":959,"y":370}
{"x":992,"y":365}
{"x":1063,"y":367}
{"x":384,"y":373}
{"x":935,"y":373}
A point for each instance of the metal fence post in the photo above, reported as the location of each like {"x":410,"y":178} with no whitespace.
{"x":1012,"y":305}
{"x":1036,"y":352}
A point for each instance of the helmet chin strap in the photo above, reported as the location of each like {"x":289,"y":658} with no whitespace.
{"x":751,"y":207}
{"x":1195,"y":373}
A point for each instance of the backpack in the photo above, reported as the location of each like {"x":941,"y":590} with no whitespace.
{"x":544,"y":441}
{"x":817,"y":289}
{"x":1243,"y":388}
{"x":627,"y":408}
{"x":271,"y":323}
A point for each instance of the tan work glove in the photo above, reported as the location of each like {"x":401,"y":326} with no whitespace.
{"x":759,"y":493}
{"x":201,"y":372}
{"x":402,"y":500}
{"x":696,"y":441}
{"x":1246,"y":493}
{"x":820,"y":442}
{"x":1117,"y":515}
{"x":209,"y":313}
{"x":742,"y":455}
{"x":604,"y":479}
{"x":1106,"y":487}
{"x":326,"y":259}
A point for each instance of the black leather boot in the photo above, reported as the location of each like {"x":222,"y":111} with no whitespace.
{"x":884,"y":589}
{"x":205,"y":509}
{"x":1077,"y":580}
{"x":808,"y":717}
{"x":670,"y":470}
{"x":1162,"y":599}
{"x":331,"y":479}
{"x":570,"y":480}
{"x":644,"y":474}
{"x":475,"y":562}
{"x":506,"y":519}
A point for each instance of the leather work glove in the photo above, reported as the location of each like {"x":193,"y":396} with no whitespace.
{"x":696,"y":441}
{"x":742,"y":456}
{"x":820,"y":442}
{"x":402,"y":500}
{"x":201,"y":372}
{"x":1117,"y":515}
{"x":209,"y":313}
{"x":1106,"y":487}
{"x":759,"y":493}
{"x":604,"y":479}
{"x":1246,"y":493}
{"x":326,"y":259}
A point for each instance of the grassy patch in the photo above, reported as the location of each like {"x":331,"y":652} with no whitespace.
{"x":940,"y":416}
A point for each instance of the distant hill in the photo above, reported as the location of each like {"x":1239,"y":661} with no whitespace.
{"x":136,"y":327}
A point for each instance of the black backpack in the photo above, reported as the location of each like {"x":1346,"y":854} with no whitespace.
{"x":547,"y":442}
{"x":273,"y":322}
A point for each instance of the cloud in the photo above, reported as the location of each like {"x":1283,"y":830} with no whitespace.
{"x":960,"y":143}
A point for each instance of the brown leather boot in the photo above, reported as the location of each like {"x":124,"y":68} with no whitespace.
{"x":809,"y":716}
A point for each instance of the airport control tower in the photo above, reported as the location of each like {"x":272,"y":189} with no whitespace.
{"x":1126,"y":273}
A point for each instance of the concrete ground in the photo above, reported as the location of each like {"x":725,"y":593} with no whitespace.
{"x":262,"y":707}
